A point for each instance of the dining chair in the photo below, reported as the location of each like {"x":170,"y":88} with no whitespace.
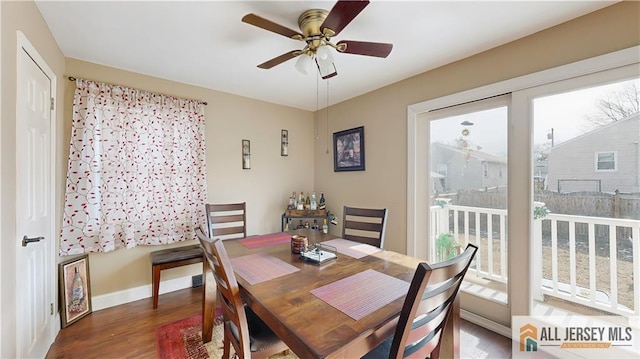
{"x":364,"y":225}
{"x":227,"y":220}
{"x":243,"y":329}
{"x":426,"y":309}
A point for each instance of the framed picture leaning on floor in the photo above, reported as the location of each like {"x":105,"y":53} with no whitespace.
{"x":75,"y":290}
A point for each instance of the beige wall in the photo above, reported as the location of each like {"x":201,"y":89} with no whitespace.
{"x":23,"y":16}
{"x":384,"y":112}
{"x":267,"y":185}
{"x":229,"y":119}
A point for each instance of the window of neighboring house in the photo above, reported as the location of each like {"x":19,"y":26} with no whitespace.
{"x":442,"y":169}
{"x":606,"y":161}
{"x":485,"y":169}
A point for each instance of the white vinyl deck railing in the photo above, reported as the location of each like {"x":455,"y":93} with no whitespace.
{"x":609,"y":281}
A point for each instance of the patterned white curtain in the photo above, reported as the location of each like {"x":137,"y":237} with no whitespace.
{"x":136,"y":173}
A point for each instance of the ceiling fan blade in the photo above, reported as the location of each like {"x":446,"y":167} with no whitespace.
{"x":341,"y":15}
{"x":376,"y":49}
{"x":269,"y":25}
{"x":278,"y":60}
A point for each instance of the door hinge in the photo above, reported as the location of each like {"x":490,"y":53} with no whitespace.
{"x":51,"y":104}
{"x":51,"y":308}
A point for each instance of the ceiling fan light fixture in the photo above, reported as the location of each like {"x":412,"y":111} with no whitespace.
{"x":327,"y":69}
{"x":303,"y":64}
{"x":317,"y":27}
{"x":323,"y":52}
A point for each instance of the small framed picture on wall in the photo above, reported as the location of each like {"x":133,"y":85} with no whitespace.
{"x":246,"y":154}
{"x":284,"y":143}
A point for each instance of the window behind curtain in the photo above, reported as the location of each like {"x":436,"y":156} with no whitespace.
{"x":136,"y":173}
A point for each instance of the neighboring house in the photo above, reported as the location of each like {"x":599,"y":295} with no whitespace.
{"x":466,"y":168}
{"x":603,"y":160}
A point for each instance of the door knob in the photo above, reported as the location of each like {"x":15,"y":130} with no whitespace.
{"x":26,"y":240}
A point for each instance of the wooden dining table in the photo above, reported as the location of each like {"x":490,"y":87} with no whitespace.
{"x":296,"y":306}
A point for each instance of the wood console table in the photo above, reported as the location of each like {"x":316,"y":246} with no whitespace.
{"x":304,"y":214}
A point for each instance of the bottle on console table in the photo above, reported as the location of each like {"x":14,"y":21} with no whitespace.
{"x":291,"y":204}
{"x":323,"y":202}
{"x":325,"y":227}
{"x":314,"y":202}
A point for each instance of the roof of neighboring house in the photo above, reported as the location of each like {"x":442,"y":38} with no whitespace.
{"x":634,"y":117}
{"x":479,"y":155}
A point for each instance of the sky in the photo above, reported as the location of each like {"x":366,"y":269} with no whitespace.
{"x":489,"y":130}
{"x":565,"y":113}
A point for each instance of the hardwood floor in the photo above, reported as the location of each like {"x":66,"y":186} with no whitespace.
{"x":125,"y":331}
{"x":128,"y":331}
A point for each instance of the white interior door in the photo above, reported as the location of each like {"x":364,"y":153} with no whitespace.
{"x":35,"y":272}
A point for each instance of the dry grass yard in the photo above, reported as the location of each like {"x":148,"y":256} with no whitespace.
{"x":603,"y":278}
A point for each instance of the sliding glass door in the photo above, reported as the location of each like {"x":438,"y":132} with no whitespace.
{"x":468,"y":196}
{"x":544,"y":187}
{"x":586,"y":188}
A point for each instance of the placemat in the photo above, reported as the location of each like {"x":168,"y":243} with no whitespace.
{"x":261,"y":267}
{"x":362,"y":294}
{"x":351,"y":248}
{"x":266,"y":240}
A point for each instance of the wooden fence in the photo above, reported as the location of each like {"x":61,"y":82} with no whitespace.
{"x":592,"y":204}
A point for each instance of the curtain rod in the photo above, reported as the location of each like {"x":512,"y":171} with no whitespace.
{"x":71,"y":78}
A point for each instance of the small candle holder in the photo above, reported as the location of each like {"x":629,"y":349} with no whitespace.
{"x":299,"y":244}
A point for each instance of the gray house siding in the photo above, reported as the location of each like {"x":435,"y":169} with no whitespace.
{"x":572,"y":164}
{"x":466,"y":172}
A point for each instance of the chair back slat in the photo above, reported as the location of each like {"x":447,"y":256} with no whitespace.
{"x":364,"y":225}
{"x":227,"y":221}
{"x":228,"y":207}
{"x":443,"y":271}
{"x":428,"y":306}
{"x":225,"y":231}
{"x":227,"y":218}
{"x":432,"y":302}
{"x":365,"y":212}
{"x":233,"y":312}
{"x":366,"y":240}
{"x":424,"y":349}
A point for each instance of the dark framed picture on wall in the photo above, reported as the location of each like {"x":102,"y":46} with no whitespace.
{"x":75,"y":290}
{"x":348,"y":150}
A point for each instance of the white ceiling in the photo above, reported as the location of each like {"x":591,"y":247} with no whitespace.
{"x":206,"y":44}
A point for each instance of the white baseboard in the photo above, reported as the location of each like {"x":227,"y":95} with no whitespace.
{"x":485,"y":323}
{"x":130,"y":295}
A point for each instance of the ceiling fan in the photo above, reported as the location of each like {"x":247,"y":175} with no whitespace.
{"x":317,"y":27}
